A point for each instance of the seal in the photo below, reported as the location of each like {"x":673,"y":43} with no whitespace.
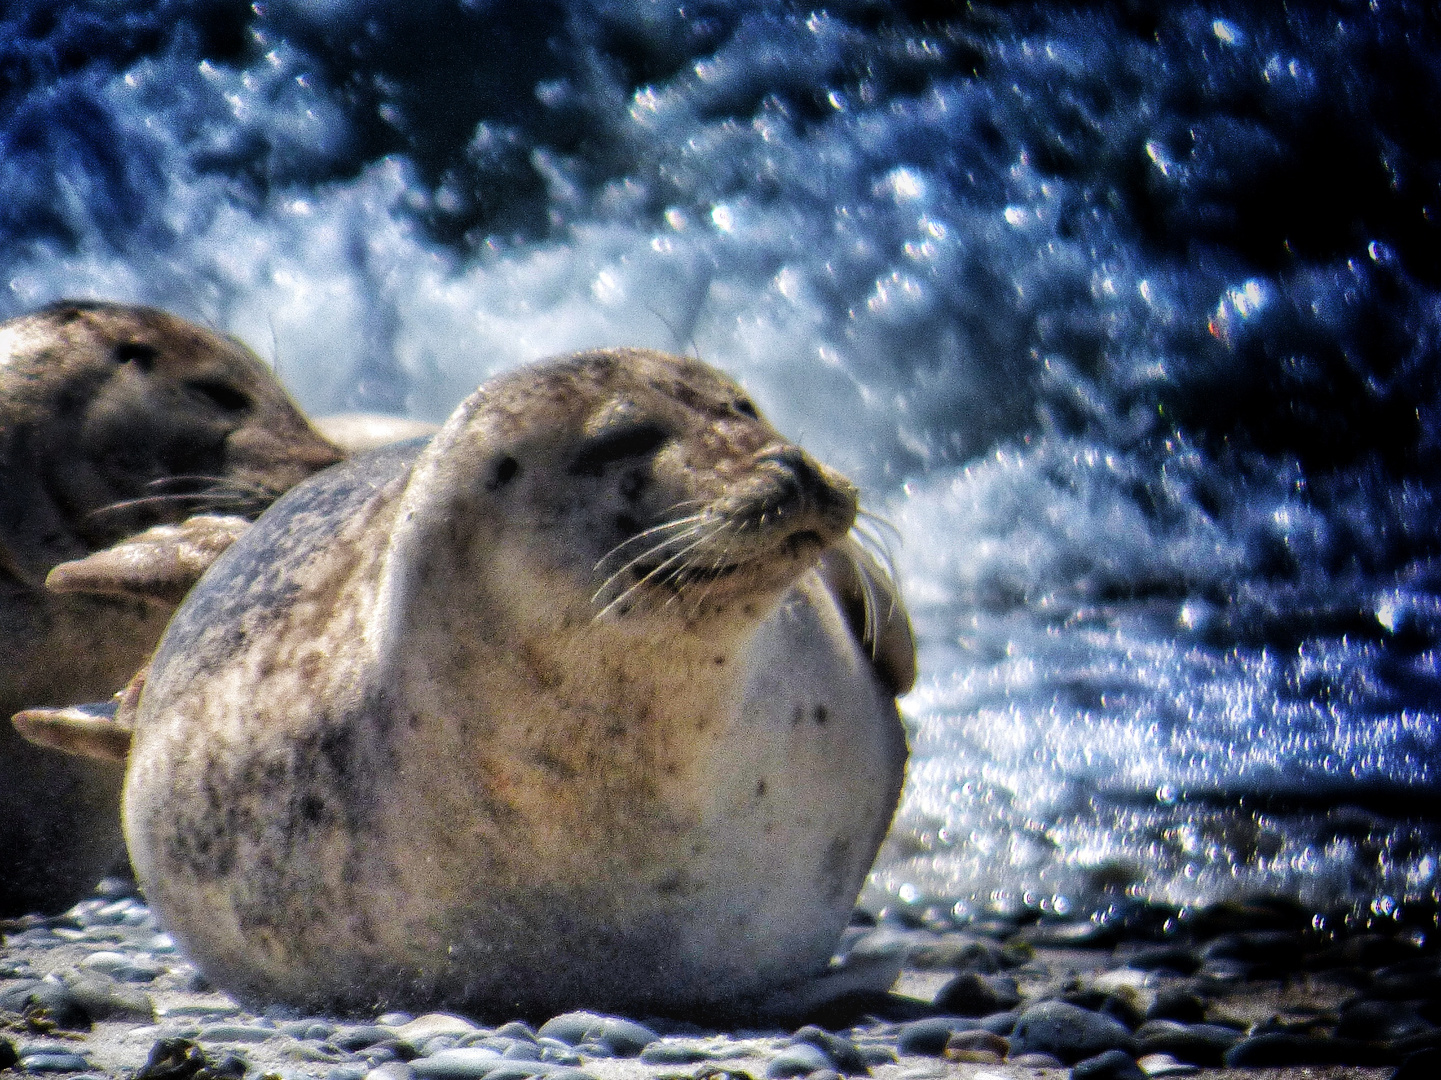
{"x":113,"y":418}
{"x":575,"y":706}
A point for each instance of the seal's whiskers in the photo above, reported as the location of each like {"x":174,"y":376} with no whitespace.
{"x":654,"y":574}
{"x":643,"y":535}
{"x":718,"y":564}
{"x":689,"y":527}
{"x":221,"y":493}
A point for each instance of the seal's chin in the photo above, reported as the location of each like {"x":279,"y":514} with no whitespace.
{"x":806,"y":542}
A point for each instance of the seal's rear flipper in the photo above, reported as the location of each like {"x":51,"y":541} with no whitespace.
{"x":846,"y":986}
{"x":99,"y":730}
{"x":159,"y":565}
{"x":89,"y":730}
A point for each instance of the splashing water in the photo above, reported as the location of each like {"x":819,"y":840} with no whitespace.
{"x":1128,"y":322}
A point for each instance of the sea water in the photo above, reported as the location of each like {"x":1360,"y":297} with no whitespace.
{"x":1126,"y":317}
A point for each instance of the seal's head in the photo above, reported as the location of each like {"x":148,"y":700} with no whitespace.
{"x":115,"y":417}
{"x":637,"y":485}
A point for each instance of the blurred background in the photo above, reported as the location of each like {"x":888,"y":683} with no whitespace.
{"x":1126,"y":315}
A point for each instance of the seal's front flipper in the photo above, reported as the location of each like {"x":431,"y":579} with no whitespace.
{"x":871,"y":601}
{"x":89,"y":730}
{"x":159,"y":565}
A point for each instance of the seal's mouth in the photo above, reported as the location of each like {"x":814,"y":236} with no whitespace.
{"x":680,"y":580}
{"x":797,"y":542}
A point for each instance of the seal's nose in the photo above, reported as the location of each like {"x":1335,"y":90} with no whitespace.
{"x":808,"y":484}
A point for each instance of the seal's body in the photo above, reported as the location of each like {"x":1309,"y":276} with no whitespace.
{"x":556,"y":711}
{"x":112,"y":419}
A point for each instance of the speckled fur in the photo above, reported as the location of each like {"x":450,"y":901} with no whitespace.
{"x":390,"y":755}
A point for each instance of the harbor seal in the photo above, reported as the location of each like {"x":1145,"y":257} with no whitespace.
{"x":113,"y":418}
{"x":571,"y":707}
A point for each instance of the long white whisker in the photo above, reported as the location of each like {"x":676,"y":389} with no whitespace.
{"x":655,"y":549}
{"x":152,"y":500}
{"x":651,"y":574}
{"x":876,"y":547}
{"x":873,"y":518}
{"x":721,"y":559}
{"x":662,"y":527}
{"x":859,"y":548}
{"x":869,"y":605}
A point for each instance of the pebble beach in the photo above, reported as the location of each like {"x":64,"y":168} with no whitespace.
{"x":1242,"y":990}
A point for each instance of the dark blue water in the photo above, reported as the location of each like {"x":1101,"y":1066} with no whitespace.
{"x":1127,"y":317}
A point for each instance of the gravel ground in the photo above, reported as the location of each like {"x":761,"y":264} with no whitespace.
{"x":102,"y":991}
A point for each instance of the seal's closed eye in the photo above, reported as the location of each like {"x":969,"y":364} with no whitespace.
{"x":136,"y":352}
{"x":617,"y":444}
{"x":222,"y":395}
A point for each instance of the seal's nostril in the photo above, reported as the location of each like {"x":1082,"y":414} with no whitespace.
{"x":793,"y":460}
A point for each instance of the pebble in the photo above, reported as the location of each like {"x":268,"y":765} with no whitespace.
{"x":1422,"y":1065}
{"x":669,"y":1053}
{"x":844,"y":1055}
{"x":391,"y":1070}
{"x":1199,"y":1044}
{"x":1001,"y":1023}
{"x":1164,"y":1065}
{"x":121,"y":967}
{"x":1068,"y":1032}
{"x":1177,"y":1004}
{"x":521,"y":1070}
{"x":360,"y":1036}
{"x":1267,"y":953}
{"x":928,"y":1037}
{"x":103,"y":998}
{"x":1036,"y":1060}
{"x":1284,"y":1048}
{"x":218,"y":1008}
{"x":980,"y":1047}
{"x":52,"y":1000}
{"x":462,"y":1063}
{"x":623,"y":1038}
{"x":1112,"y":1065}
{"x":973,"y":994}
{"x":242,"y":1033}
{"x":802,"y":1059}
{"x":1382,"y":1021}
{"x":956,"y":953}
{"x":53,"y":1061}
{"x":430,"y":1025}
{"x":1177,"y":958}
{"x":1139,"y":1014}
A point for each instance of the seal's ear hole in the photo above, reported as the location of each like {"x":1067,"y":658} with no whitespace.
{"x":221,"y":395}
{"x":746,"y":407}
{"x":506,"y":470}
{"x":137,"y":353}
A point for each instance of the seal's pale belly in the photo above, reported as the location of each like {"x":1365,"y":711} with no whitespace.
{"x":418,"y":787}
